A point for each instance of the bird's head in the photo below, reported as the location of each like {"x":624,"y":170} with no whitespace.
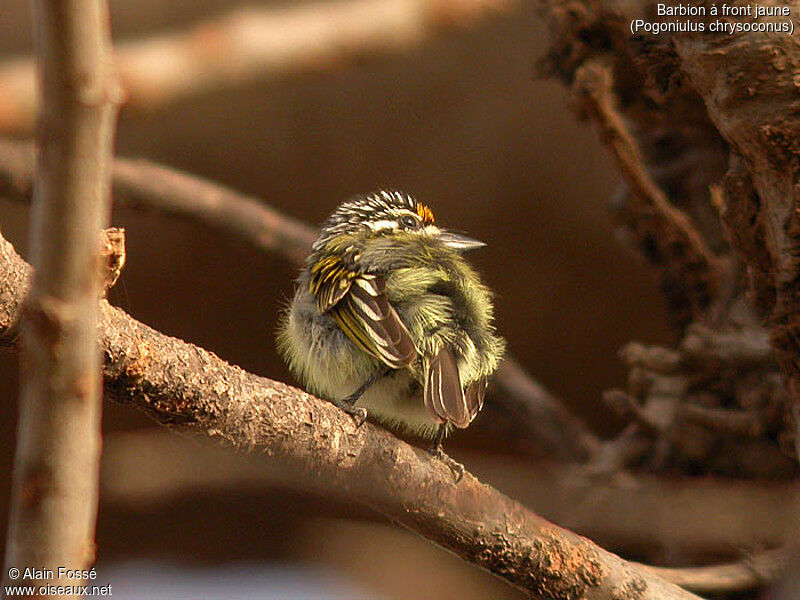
{"x":390,"y":213}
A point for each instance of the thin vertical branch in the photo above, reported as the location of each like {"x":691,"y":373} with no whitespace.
{"x":54,"y":493}
{"x":690,"y":271}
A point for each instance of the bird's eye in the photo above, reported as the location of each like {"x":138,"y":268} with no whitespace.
{"x":409,"y":222}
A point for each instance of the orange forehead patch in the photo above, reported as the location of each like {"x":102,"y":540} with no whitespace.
{"x":425,"y":214}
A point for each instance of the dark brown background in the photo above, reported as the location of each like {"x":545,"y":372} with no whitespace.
{"x":463,"y":124}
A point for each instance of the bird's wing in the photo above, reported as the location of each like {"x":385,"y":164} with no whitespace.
{"x":444,"y":396}
{"x":360,"y":307}
{"x":331,"y":278}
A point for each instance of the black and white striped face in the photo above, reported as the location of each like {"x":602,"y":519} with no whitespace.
{"x":384,"y":211}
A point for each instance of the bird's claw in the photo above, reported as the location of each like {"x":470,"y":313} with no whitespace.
{"x":456,"y":467}
{"x":358,"y":413}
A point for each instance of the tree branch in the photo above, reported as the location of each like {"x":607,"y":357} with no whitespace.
{"x":749,"y":573}
{"x":559,"y":432}
{"x":182,"y":385}
{"x":55,"y":480}
{"x":675,"y":109}
{"x":252,"y":44}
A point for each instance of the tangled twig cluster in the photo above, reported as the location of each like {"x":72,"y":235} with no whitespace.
{"x":714,"y":404}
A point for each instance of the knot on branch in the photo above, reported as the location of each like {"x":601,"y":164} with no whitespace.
{"x":112,"y":256}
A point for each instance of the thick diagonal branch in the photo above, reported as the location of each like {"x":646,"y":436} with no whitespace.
{"x":183,"y":385}
{"x":152,"y":467}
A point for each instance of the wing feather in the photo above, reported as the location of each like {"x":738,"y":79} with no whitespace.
{"x":359,"y":305}
{"x":443,"y":395}
{"x":331,"y":279}
{"x":389,"y":339}
{"x":476,"y":392}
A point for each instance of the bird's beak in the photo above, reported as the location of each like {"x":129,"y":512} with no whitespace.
{"x":458,"y":241}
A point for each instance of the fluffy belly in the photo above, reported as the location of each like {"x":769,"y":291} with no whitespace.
{"x":333,"y":367}
{"x":396,"y":401}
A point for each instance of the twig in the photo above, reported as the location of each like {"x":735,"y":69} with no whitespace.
{"x":653,"y":358}
{"x":252,"y":44}
{"x":612,"y":456}
{"x":671,"y":240}
{"x":748,"y":347}
{"x":626,"y":406}
{"x":736,"y":422}
{"x":559,"y":431}
{"x":702,"y":345}
{"x":143,"y":185}
{"x":146,"y":186}
{"x":183,"y":385}
{"x":54,"y":486}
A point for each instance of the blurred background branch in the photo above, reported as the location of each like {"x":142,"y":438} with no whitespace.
{"x":251,"y":44}
{"x":699,"y":518}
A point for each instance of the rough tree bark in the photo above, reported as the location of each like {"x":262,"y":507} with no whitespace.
{"x":54,"y":489}
{"x":709,"y":517}
{"x":751,"y":87}
{"x":686,"y":106}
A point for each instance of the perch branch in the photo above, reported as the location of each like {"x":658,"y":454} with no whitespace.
{"x":180,"y":384}
{"x":143,"y":185}
{"x":55,"y":476}
{"x":252,"y":44}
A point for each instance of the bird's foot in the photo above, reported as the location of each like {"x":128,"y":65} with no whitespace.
{"x":456,"y":467}
{"x":359,"y":414}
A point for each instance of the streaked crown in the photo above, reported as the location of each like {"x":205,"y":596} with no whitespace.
{"x":380,"y":211}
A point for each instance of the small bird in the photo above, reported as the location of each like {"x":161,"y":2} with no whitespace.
{"x":389,"y":320}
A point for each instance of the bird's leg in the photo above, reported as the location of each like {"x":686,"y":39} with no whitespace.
{"x":348,"y":404}
{"x":436,"y":450}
